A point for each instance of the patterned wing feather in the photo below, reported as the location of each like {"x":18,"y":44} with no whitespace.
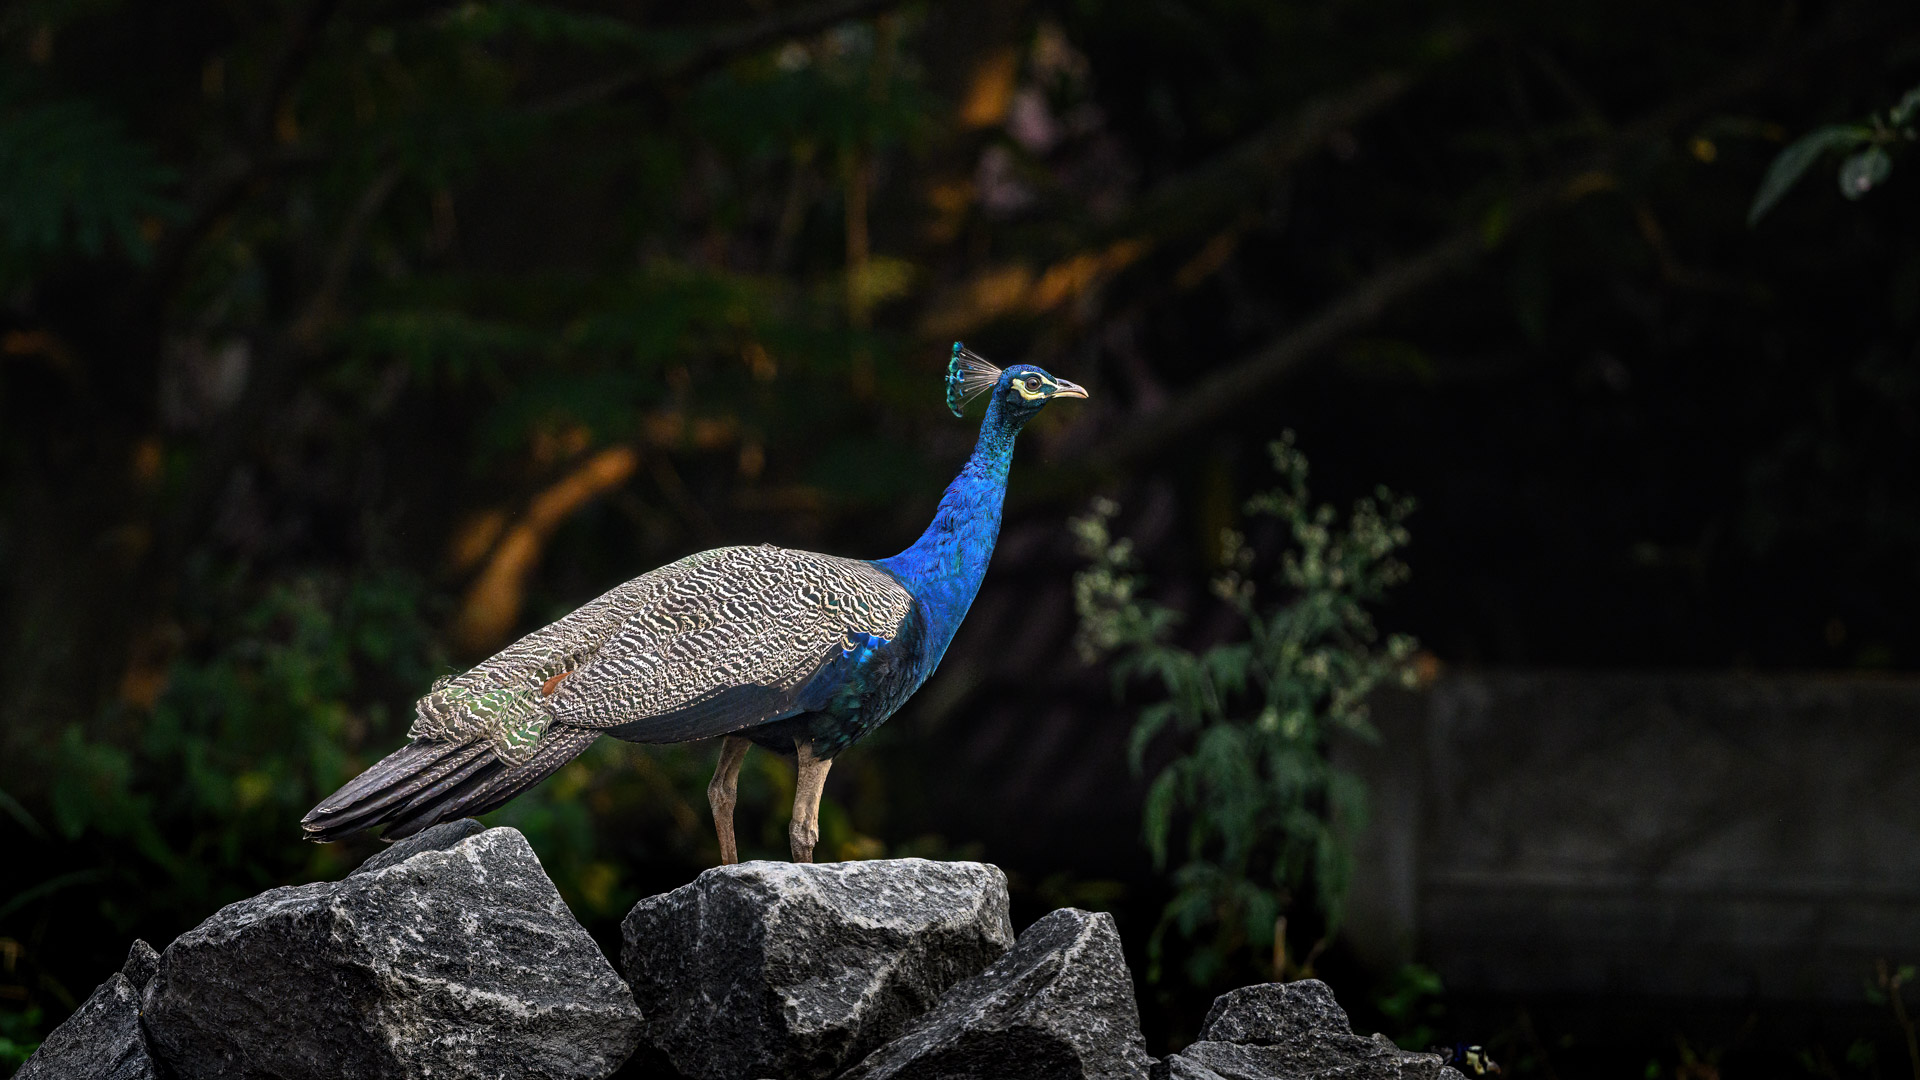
{"x":712,"y":643}
{"x":729,"y":643}
{"x":503,"y":700}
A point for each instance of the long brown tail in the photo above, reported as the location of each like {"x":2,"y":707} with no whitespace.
{"x":427,"y":782}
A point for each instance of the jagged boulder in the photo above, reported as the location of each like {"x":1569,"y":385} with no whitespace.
{"x":1295,"y":1031}
{"x":1270,"y":1013}
{"x":433,"y":838}
{"x":455,"y":961}
{"x":798,"y":970}
{"x":142,"y":962}
{"x":1317,"y":1056}
{"x":100,"y":1041}
{"x":1060,"y":1006}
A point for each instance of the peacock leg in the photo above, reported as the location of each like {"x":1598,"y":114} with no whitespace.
{"x":807,"y":785}
{"x":721,"y":794}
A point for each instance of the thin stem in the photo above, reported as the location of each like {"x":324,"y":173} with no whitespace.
{"x":1893,"y":982}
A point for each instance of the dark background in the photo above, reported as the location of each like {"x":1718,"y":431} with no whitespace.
{"x":341,"y":342}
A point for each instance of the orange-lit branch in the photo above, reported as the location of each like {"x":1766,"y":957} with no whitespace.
{"x":492,"y":604}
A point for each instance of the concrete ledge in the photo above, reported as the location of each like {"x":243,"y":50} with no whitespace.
{"x":1717,"y":836}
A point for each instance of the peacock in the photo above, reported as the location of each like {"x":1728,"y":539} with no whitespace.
{"x":797,"y":652}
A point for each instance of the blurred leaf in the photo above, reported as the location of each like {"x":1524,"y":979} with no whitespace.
{"x":19,"y":1035}
{"x":1865,"y":171}
{"x":71,"y":181}
{"x":1906,"y":110}
{"x":1793,"y":162}
{"x":540,"y":22}
{"x":1157,"y":814}
{"x":21,"y":817}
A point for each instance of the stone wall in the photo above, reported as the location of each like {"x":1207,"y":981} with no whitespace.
{"x":1713,"y":836}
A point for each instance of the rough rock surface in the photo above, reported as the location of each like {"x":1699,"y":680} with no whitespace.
{"x":434,"y":838}
{"x":141,"y":963}
{"x":1270,"y":1013}
{"x":460,"y":962}
{"x":1060,"y":1006}
{"x":1291,"y":1030}
{"x":100,"y":1041}
{"x":1313,"y":1056}
{"x":798,"y":970}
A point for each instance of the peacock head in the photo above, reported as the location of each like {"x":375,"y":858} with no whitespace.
{"x":1021,"y":391}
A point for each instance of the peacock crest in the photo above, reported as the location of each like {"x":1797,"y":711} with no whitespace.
{"x":968,"y":376}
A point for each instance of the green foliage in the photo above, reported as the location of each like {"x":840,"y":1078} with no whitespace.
{"x":19,"y":1036}
{"x":1261,"y":806}
{"x":1411,"y":1001}
{"x":71,"y":179}
{"x":849,"y":91}
{"x":1867,"y":164}
{"x":542,"y":23}
{"x":154,"y":818}
{"x":283,"y":707}
{"x":361,"y":198}
{"x":459,"y":250}
{"x":1888,"y":990}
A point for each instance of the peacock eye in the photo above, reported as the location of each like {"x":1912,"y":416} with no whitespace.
{"x":1033,"y":382}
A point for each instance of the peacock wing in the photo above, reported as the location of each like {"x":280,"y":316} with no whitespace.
{"x":503,"y":700}
{"x":732,"y":643}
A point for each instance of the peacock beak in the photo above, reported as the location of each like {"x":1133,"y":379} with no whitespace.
{"x":1067,"y":389}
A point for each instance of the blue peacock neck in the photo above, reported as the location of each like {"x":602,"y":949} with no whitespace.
{"x":943,"y":568}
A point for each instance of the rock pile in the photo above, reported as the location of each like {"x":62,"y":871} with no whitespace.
{"x":451,"y":955}
{"x":1060,"y":1005}
{"x":102,"y":1040}
{"x":1291,"y":1030}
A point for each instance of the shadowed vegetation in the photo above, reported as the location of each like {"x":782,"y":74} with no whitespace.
{"x":341,"y":342}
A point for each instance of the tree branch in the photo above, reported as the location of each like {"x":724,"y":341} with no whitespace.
{"x":278,"y":365}
{"x":322,"y":306}
{"x":223,"y":185}
{"x":1190,"y":201}
{"x":720,"y":48}
{"x":492,"y":603}
{"x":1242,"y":382}
{"x":1184,"y":204}
{"x":295,"y":53}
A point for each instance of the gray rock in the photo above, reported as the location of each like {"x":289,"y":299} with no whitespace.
{"x":798,"y":970}
{"x":1058,"y":1007}
{"x":1175,"y":1067}
{"x":141,"y":963}
{"x":460,"y":962}
{"x":434,"y":838}
{"x":1295,"y":1031}
{"x":100,"y":1041}
{"x":1271,"y":1013}
{"x":1316,"y":1055}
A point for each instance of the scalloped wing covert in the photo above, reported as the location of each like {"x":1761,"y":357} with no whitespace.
{"x":713,"y":643}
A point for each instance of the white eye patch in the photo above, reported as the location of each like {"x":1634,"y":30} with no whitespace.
{"x":1033,"y":387}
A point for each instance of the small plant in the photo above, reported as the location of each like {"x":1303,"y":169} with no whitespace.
{"x":19,"y":1036}
{"x":1867,"y":164}
{"x":1260,"y":804}
{"x":1411,"y":1000}
{"x":1888,"y":988}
